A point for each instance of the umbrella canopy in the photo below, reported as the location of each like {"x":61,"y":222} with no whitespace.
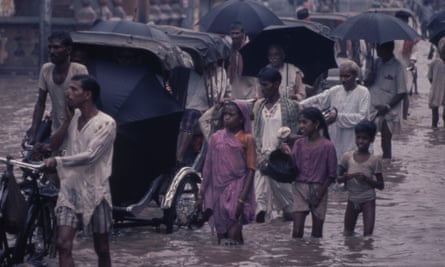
{"x":375,"y":28}
{"x":253,"y":15}
{"x":132,"y":93}
{"x":305,"y":47}
{"x":131,"y":28}
{"x":436,"y":27}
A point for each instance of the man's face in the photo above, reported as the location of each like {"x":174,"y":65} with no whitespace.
{"x":276,"y":57}
{"x":347,"y":78}
{"x":268,"y":88}
{"x":237,"y":36}
{"x":75,"y":95}
{"x":58,"y":52}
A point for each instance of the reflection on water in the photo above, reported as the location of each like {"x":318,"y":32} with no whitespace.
{"x":409,"y":228}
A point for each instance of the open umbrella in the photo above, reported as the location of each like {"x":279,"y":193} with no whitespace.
{"x":147,"y":127}
{"x":132,"y":93}
{"x":305,"y":45}
{"x":377,"y":28}
{"x":131,"y":28}
{"x":253,"y":15}
{"x":436,"y":27}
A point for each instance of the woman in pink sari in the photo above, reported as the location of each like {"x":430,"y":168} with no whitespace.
{"x":227,"y":186}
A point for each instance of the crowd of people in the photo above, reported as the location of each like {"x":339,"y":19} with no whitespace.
{"x":328,"y":137}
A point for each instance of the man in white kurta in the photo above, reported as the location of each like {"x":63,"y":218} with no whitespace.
{"x":85,"y":167}
{"x":84,"y":170}
{"x":350,"y":103}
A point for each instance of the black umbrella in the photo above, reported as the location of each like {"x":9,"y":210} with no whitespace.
{"x":131,"y":28}
{"x":305,"y":47}
{"x":375,"y":28}
{"x":253,"y":15}
{"x":147,"y":119}
{"x":132,"y":93}
{"x":436,"y":27}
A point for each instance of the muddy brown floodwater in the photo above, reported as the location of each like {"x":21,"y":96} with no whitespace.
{"x":410,"y":220}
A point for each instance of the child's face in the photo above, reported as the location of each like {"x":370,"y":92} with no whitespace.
{"x":363,"y":141}
{"x":307,"y":126}
{"x":232,"y":118}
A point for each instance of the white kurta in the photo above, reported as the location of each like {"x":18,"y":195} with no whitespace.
{"x":85,"y":168}
{"x":352,"y":107}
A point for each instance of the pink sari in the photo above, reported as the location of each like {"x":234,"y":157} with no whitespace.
{"x":224,"y":176}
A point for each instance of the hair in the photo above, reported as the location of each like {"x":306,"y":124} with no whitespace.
{"x":237,"y":25}
{"x":302,"y":13}
{"x":88,"y":83}
{"x":368,"y":127}
{"x":351,"y":65}
{"x":388,"y":45}
{"x":314,"y":114}
{"x":64,"y":38}
{"x":269,"y":74}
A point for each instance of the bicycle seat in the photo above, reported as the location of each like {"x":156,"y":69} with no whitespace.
{"x":48,"y":190}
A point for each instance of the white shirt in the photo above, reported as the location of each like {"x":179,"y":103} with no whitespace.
{"x":85,"y":168}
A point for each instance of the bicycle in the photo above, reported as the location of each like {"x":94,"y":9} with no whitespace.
{"x":36,"y":239}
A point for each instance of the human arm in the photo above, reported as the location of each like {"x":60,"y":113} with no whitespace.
{"x":300,"y":88}
{"x":98,"y":144}
{"x":321,"y":101}
{"x":246,"y":190}
{"x":350,"y":118}
{"x":378,"y":183}
{"x":57,"y":138}
{"x":39,"y":109}
{"x":248,"y":183}
{"x":384,"y":109}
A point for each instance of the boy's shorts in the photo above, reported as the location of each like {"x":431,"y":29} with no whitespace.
{"x":101,"y":220}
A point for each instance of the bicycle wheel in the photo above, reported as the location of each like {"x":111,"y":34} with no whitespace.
{"x":183,"y":204}
{"x":38,"y":238}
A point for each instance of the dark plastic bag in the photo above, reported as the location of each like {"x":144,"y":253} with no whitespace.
{"x":280,"y":167}
{"x":14,"y":206}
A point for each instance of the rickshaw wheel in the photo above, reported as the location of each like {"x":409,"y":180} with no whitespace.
{"x":183,"y":204}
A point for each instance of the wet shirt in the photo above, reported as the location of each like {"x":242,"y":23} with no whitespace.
{"x":57,"y":91}
{"x":314,"y":164}
{"x":85,"y":167}
{"x":360,"y":191}
{"x":390,"y":80}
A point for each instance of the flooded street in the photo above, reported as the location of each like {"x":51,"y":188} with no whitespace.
{"x":409,"y":230}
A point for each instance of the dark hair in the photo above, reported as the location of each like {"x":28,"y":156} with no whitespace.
{"x":237,"y":25}
{"x":88,"y":83}
{"x":302,"y":13}
{"x":387,"y":46}
{"x":366,"y":126}
{"x":269,"y":74}
{"x":314,"y":114}
{"x":64,"y":38}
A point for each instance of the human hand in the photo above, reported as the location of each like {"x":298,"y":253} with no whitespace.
{"x":50,"y":163}
{"x":286,"y":148}
{"x":382,"y":109}
{"x":315,"y":200}
{"x":331,"y":117}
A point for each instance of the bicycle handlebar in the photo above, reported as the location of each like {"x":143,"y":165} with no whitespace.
{"x":29,"y":166}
